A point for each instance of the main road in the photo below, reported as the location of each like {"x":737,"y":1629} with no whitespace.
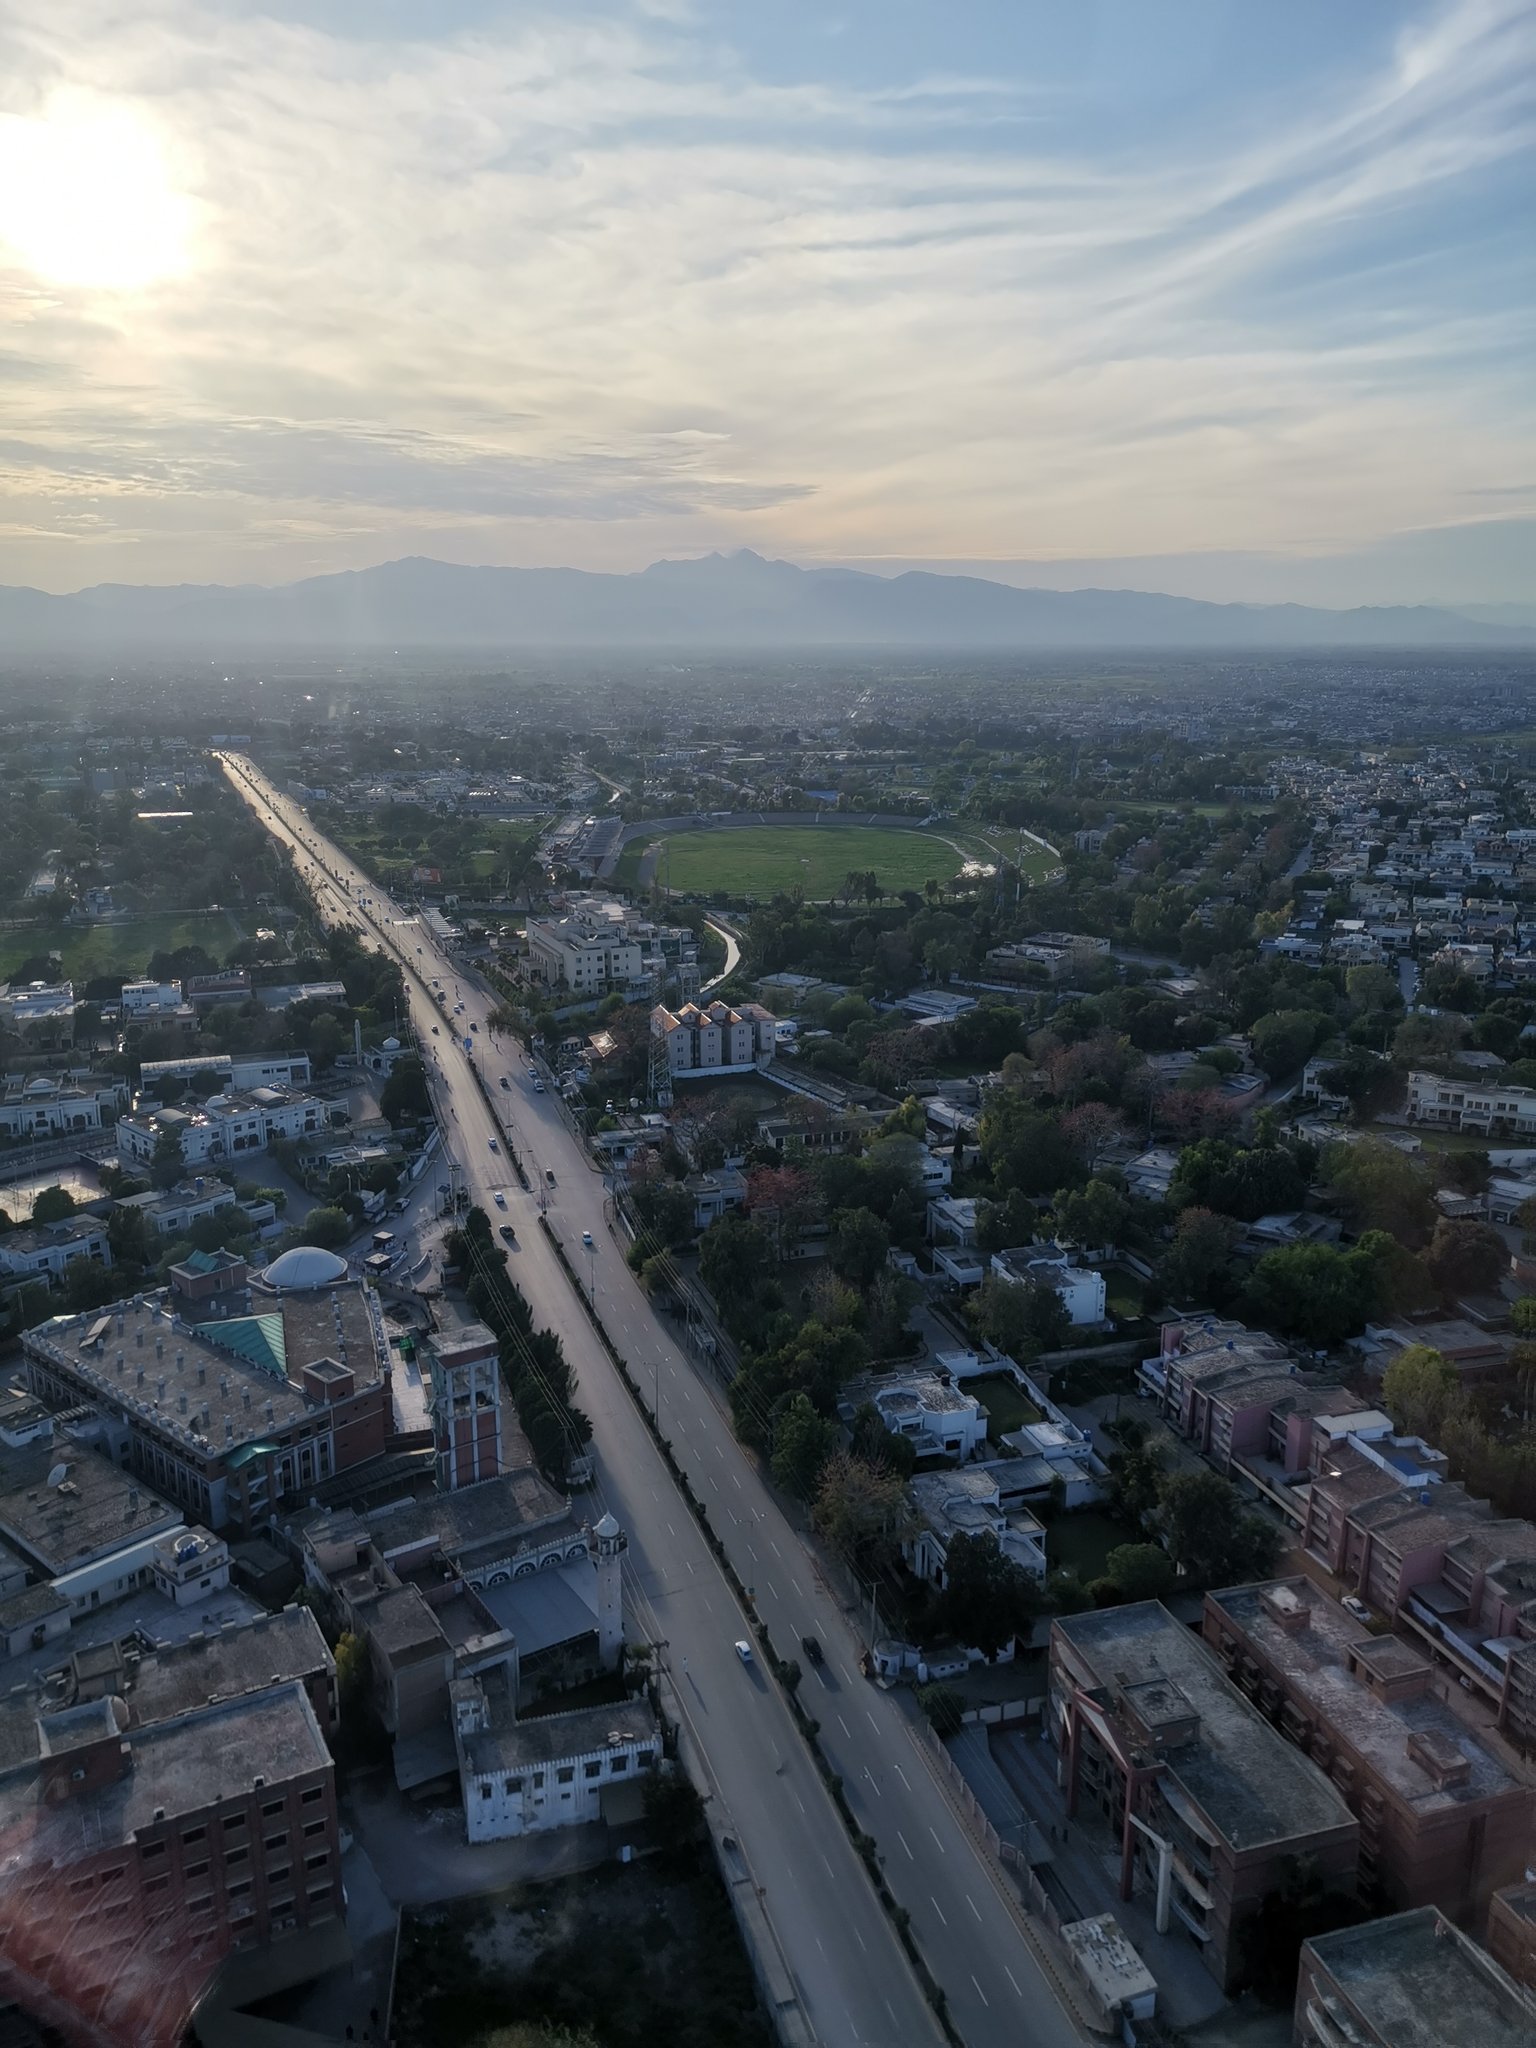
{"x":852,"y":1976}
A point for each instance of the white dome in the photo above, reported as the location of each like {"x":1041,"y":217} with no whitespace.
{"x":307,"y":1265}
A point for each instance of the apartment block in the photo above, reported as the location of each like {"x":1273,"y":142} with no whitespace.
{"x":1413,"y":1981}
{"x":1208,"y":1805}
{"x":1488,"y":1106}
{"x":715,"y":1039}
{"x":1446,"y":1809}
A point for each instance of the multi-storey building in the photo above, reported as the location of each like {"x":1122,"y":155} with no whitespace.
{"x":1209,"y":1806}
{"x":523,"y":1777}
{"x":599,"y":945}
{"x":139,"y":1856}
{"x":716,"y":1039}
{"x":1489,"y":1106}
{"x":238,"y":1121}
{"x":466,"y":1406}
{"x":1413,"y":1981}
{"x":233,"y":1416}
{"x":1446,"y":1810}
{"x":35,"y":1106}
{"x":43,"y":1250}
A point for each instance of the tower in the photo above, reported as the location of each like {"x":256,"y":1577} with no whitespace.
{"x":606,"y":1545}
{"x":466,"y":1407}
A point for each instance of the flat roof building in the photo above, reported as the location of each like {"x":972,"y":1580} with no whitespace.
{"x":1413,"y":1981}
{"x":1208,"y":1805}
{"x":1446,"y":1809}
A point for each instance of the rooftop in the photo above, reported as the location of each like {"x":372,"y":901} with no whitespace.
{"x":1418,"y":1982}
{"x":1315,"y":1658}
{"x":65,"y":1506}
{"x":551,"y":1738}
{"x":1246,"y":1779}
{"x":496,"y":1511}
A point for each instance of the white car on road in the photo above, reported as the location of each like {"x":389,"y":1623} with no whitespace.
{"x":744,"y":1652}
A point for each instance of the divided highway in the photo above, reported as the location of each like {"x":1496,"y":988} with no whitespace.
{"x":853,"y":1979}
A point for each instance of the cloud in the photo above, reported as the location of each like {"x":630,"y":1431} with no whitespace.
{"x":584,"y":269}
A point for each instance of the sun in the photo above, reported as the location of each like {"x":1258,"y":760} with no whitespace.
{"x":87,"y":199}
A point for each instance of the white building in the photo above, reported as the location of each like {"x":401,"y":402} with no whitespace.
{"x":40,"y":1011}
{"x":597,"y":946}
{"x":524,"y":1777}
{"x":936,"y":1417}
{"x":1459,"y":1105}
{"x":41,"y":1105}
{"x":173,"y":1213}
{"x":1081,"y":1288}
{"x":151,"y":999}
{"x":247,"y":1070}
{"x":46,"y":1249}
{"x":226,"y":1125}
{"x":716,"y":1039}
{"x":967,"y":1503}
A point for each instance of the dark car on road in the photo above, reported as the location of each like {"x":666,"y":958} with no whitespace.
{"x":508,"y":1233}
{"x":812,"y":1649}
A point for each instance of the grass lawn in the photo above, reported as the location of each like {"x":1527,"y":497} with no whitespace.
{"x":1125,"y":1296}
{"x":1081,"y":1541}
{"x":1007,"y":1407}
{"x":88,"y":950}
{"x":762,"y":860}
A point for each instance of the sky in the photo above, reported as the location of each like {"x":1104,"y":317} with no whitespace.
{"x":1227,"y":297}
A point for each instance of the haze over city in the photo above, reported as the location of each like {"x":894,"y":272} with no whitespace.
{"x":1227,"y":302}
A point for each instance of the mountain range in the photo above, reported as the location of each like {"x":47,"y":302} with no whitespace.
{"x":718,"y":602}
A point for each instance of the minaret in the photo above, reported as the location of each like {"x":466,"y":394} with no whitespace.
{"x":606,"y":1544}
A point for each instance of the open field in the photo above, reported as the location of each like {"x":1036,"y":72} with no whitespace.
{"x":118,"y":949}
{"x":1080,"y":1542}
{"x":762,"y":860}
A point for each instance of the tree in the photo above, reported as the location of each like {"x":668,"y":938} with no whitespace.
{"x":1021,"y":1317}
{"x":735,"y":1258}
{"x":1315,"y":1291}
{"x":1465,"y":1256}
{"x":857,"y":1246}
{"x":329,"y":1228}
{"x":861,"y":1510}
{"x":1199,"y":1267}
{"x":1090,"y":1130}
{"x":1523,"y":1316}
{"x":1283,"y":1040}
{"x":986,"y":1599}
{"x":944,"y":1708}
{"x":1135,"y":1481}
{"x":1092,"y":1217}
{"x":1381,"y":1188}
{"x":802,"y":1443}
{"x":673,"y":1810}
{"x":1024,"y":1147}
{"x":1418,"y":1388}
{"x":1140,"y":1571}
{"x":403,"y":1098}
{"x":1210,"y":1535}
{"x":665,"y":1210}
{"x":870,"y":1440}
{"x":53,"y":1205}
{"x":167,"y":1165}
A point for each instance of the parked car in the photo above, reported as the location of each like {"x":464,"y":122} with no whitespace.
{"x":1355,"y":1607}
{"x":812,"y":1649}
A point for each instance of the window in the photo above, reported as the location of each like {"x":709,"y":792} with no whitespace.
{"x":191,"y":1870}
{"x":153,"y":1849}
{"x":280,"y":1874}
{"x":240,"y":1889}
{"x":313,"y":1827}
{"x":617,"y":1764}
{"x":314,"y":1792}
{"x":277,"y":1841}
{"x":158,"y":1884}
{"x":319,"y":1891}
{"x":593,"y":1769}
{"x":319,"y":1861}
{"x":272,"y":1808}
{"x":236,"y":1855}
{"x":565,"y":1773}
{"x":194,"y":1835}
{"x":485,"y":1788}
{"x":233,"y":1820}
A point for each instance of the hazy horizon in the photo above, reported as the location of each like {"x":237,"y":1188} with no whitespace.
{"x":1227,"y":303}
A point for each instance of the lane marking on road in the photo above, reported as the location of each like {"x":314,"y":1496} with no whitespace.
{"x":800,"y":1802}
{"x":719,"y":1453}
{"x":903,"y":1841}
{"x":797,"y":1585}
{"x":902,"y":1775}
{"x":826,"y":1866}
{"x":863,"y":1944}
{"x":973,"y":1906}
{"x":775,"y":1548}
{"x":980,"y":1993}
{"x":872,"y":1721}
{"x":1012,"y":1979}
{"x":737,"y":1478}
{"x":670,"y":1530}
{"x":845,"y":1728}
{"x":939,"y":1909}
{"x":937,"y":1843}
{"x":871,"y":1777}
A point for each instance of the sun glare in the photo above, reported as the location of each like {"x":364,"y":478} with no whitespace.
{"x":87,"y":200}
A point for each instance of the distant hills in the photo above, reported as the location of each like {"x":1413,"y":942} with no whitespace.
{"x":720,"y":602}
